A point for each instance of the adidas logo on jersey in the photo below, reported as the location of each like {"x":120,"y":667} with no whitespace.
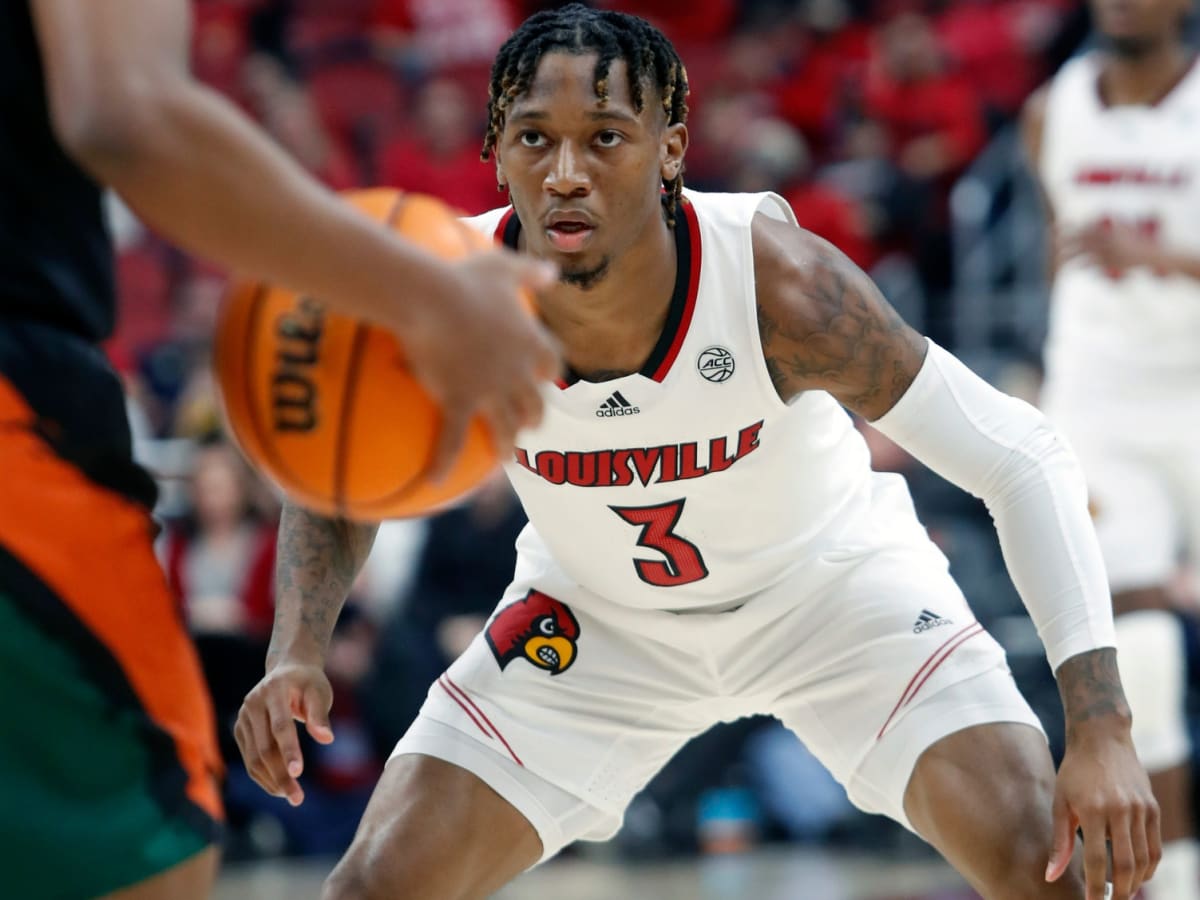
{"x":928,"y":620}
{"x":616,"y":405}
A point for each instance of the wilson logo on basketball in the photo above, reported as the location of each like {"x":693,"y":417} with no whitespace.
{"x":293,"y":390}
{"x":538,"y":629}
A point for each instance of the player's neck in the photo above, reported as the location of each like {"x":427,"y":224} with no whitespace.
{"x":1146,"y":78}
{"x":613,"y":326}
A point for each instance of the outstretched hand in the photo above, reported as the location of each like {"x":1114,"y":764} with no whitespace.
{"x":1103,"y":791}
{"x":266,"y":730}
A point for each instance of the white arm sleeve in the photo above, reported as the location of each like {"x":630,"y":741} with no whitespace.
{"x":1005,"y":452}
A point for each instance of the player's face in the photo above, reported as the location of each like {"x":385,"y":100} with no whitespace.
{"x":585,"y":177}
{"x":1134,"y":26}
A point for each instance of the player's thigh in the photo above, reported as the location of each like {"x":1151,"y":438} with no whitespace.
{"x":856,"y":667}
{"x":191,"y":879}
{"x":983,"y":797}
{"x":434,"y":831}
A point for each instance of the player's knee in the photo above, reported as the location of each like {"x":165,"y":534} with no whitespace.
{"x":353,"y":879}
{"x":366,"y":875}
{"x":1151,"y":656}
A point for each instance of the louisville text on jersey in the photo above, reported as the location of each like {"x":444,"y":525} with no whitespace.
{"x":618,"y":468}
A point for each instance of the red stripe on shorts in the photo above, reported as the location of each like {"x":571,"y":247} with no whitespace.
{"x":460,"y":697}
{"x":939,"y":656}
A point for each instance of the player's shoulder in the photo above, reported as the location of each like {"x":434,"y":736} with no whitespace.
{"x":1079,"y":72}
{"x":487,"y":222}
{"x":737,"y":208}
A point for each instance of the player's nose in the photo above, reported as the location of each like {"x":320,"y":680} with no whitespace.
{"x":568,"y":176}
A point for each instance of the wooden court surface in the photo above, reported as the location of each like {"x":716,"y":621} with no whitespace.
{"x":783,"y":874}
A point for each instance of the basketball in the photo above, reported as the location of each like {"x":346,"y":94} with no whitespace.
{"x":324,"y":405}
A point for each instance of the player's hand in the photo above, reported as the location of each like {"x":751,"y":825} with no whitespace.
{"x":1114,"y":246}
{"x":266,"y":726}
{"x":477,"y":351}
{"x":1103,"y":790}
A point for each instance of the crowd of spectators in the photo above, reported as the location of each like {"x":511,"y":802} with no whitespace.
{"x":862,"y":113}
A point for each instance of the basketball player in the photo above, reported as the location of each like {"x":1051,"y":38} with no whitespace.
{"x":707,"y":539}
{"x":108,"y":762}
{"x":1115,"y":139}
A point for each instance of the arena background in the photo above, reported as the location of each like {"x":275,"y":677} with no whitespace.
{"x":889,"y":126}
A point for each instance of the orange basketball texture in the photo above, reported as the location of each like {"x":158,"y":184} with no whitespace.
{"x":324,"y":405}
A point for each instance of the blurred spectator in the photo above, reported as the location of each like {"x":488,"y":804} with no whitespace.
{"x":931,"y":115}
{"x":440,"y":34}
{"x":996,"y":44}
{"x":933,"y":125}
{"x":287,"y":112}
{"x":774,"y":156}
{"x":827,"y":57}
{"x":438,"y":152}
{"x":220,"y":42}
{"x":220,"y":559}
{"x":684,"y":23}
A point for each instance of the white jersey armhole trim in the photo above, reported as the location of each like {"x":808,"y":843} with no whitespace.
{"x":773,"y":205}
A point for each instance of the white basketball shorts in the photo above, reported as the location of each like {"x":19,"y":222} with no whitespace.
{"x":568,"y":704}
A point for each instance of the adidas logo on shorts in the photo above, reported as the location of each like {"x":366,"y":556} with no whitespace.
{"x":616,"y":405}
{"x":928,"y":620}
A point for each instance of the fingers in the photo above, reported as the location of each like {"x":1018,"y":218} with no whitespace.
{"x":1126,"y":873}
{"x":314,"y":713}
{"x":248,"y":746}
{"x":533,"y":274}
{"x":1064,"y":840}
{"x":286,"y":768}
{"x":1153,"y":838}
{"x":1095,"y":856}
{"x":1140,"y":843}
{"x":259,"y":751}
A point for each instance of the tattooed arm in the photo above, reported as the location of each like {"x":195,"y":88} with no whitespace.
{"x":824,"y":326}
{"x":318,"y":559}
{"x":1091,"y":693}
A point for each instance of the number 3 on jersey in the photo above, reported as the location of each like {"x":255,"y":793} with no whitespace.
{"x":683,"y":563}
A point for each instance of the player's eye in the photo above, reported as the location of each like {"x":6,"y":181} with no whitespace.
{"x":609,"y":138}
{"x":546,"y":626}
{"x":531,"y":139}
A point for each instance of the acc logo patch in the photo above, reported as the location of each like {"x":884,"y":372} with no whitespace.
{"x":715,"y":364}
{"x":536,"y":628}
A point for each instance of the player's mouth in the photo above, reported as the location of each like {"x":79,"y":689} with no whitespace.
{"x":569,"y":232}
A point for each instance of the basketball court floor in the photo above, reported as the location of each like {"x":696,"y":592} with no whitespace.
{"x":777,"y":874}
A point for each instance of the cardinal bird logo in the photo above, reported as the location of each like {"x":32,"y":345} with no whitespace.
{"x":536,"y":628}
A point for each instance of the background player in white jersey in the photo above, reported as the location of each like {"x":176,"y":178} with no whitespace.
{"x":721,"y":547}
{"x":1115,"y":138}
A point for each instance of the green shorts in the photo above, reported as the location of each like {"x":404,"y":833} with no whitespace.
{"x":109,"y":765}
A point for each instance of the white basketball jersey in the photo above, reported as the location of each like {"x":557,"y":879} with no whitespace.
{"x":1134,"y":164}
{"x":691,"y":483}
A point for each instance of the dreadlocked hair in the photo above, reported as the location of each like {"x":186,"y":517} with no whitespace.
{"x":649,"y":57}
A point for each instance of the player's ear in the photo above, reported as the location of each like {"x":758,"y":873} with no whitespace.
{"x":672,"y":149}
{"x":501,"y":178}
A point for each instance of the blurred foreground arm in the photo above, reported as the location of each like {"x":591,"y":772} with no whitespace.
{"x":125,"y":107}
